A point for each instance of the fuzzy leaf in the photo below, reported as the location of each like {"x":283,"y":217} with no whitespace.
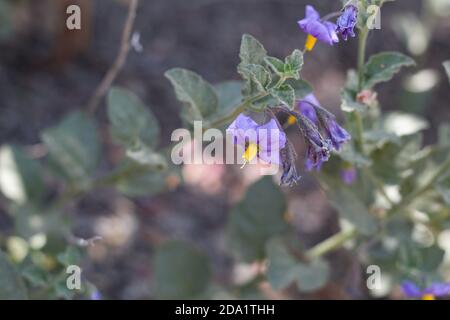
{"x":285,"y":95}
{"x":301,"y":88}
{"x":258,"y":75}
{"x":131,"y":122}
{"x":195,"y":92}
{"x":257,"y":218}
{"x":74,"y":147}
{"x":293,"y":64}
{"x":275,"y":64}
{"x":382,"y":67}
{"x":251,"y":51}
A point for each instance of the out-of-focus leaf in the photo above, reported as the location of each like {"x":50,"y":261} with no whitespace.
{"x":422,"y":259}
{"x":146,"y":156}
{"x":381,"y":67}
{"x":257,"y":218}
{"x":71,"y":256}
{"x":74,"y":147}
{"x":349,"y":206}
{"x":284,"y":269}
{"x":11,"y":285}
{"x":180,"y":271}
{"x":135,"y":180}
{"x":195,"y":92}
{"x":446,"y":65}
{"x":443,"y":187}
{"x":444,"y":135}
{"x":131,"y":122}
{"x":285,"y":95}
{"x":20,"y":177}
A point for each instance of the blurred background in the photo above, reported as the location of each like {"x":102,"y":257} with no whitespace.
{"x":47,"y":71}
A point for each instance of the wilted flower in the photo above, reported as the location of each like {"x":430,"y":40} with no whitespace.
{"x":438,"y":289}
{"x":306,"y":108}
{"x":318,"y":148}
{"x":336,"y":133}
{"x":257,"y":140}
{"x":311,"y":108}
{"x":317,"y":29}
{"x":290,"y":175}
{"x":349,"y":175}
{"x":347,"y":21}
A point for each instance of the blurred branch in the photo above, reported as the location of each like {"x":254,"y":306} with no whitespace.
{"x":117,"y":66}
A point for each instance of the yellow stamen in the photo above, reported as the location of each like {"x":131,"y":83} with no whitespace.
{"x":250,"y":153}
{"x":428,"y":297}
{"x":291,"y":120}
{"x":310,"y":42}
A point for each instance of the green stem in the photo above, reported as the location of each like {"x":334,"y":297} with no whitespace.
{"x":362,"y":41}
{"x":331,"y":243}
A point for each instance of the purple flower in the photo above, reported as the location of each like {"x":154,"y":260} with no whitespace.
{"x":347,"y":21}
{"x":336,"y":133}
{"x":348,"y":175}
{"x":262,"y":141}
{"x":317,"y":29}
{"x":306,"y":107}
{"x":437,"y":289}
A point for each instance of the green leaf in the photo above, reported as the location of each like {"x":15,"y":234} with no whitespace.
{"x":20,"y":177}
{"x":382,"y":67}
{"x":284,"y":269}
{"x":11,"y":285}
{"x":443,"y":187}
{"x":301,"y":88}
{"x":424,"y":260}
{"x":275,"y":64}
{"x":135,"y":180}
{"x":74,"y":147}
{"x":181,"y":271}
{"x":293,"y":64}
{"x":195,"y":92}
{"x":285,"y":95}
{"x":258,"y":75}
{"x":349,"y":206}
{"x":446,"y":65}
{"x":131,"y":122}
{"x":146,"y":156}
{"x":230,"y":97}
{"x":257,"y":218}
{"x":71,"y":256}
{"x":251,"y":51}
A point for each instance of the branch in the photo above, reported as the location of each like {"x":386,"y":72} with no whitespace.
{"x":117,"y":66}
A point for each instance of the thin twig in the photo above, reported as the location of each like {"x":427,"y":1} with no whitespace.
{"x":115,"y":68}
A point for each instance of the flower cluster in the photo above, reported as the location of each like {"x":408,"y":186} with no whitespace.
{"x":326,"y":31}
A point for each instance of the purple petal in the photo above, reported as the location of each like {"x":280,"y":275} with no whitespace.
{"x":438,"y":289}
{"x":411,"y":290}
{"x":311,"y":13}
{"x":306,"y":108}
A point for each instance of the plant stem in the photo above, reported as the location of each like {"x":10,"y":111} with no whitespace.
{"x":362,"y":41}
{"x":331,"y":243}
